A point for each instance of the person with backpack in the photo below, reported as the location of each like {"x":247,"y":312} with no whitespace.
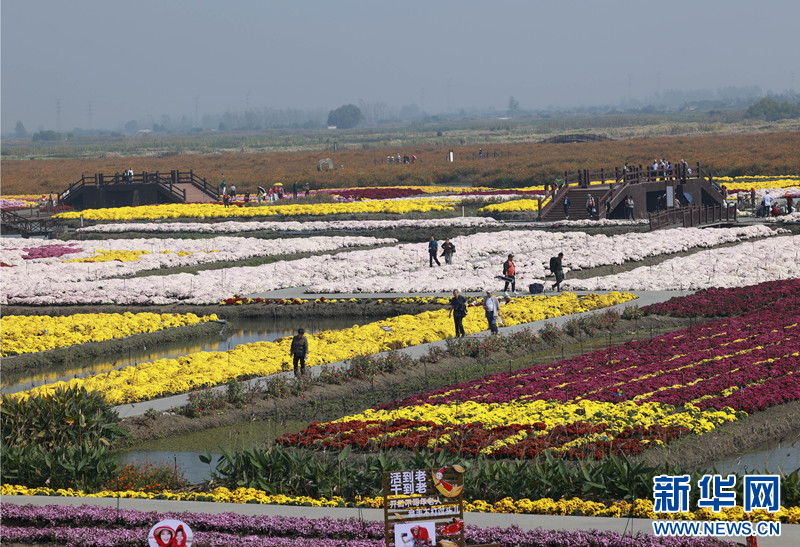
{"x":591,"y":207}
{"x":299,"y":351}
{"x":458,"y":309}
{"x":567,"y":203}
{"x":509,"y":275}
{"x":447,"y":251}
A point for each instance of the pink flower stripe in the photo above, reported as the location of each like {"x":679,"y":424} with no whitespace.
{"x":49,"y":251}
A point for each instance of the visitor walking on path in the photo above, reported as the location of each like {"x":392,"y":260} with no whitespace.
{"x":557,"y":268}
{"x":591,"y":207}
{"x":509,"y":275}
{"x":458,"y":309}
{"x":294,"y":190}
{"x":491,"y":305}
{"x":447,"y":251}
{"x":433,"y":249}
{"x":299,"y":351}
{"x":567,"y":203}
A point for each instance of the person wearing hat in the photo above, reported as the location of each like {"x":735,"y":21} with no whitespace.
{"x":491,"y":306}
{"x":509,"y":275}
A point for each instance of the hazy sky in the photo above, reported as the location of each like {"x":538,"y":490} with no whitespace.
{"x":135,"y":58}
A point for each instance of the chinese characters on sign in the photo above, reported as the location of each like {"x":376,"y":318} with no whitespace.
{"x":671,"y":494}
{"x":424,"y":507}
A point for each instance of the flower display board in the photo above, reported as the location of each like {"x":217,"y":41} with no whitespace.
{"x":424,"y":507}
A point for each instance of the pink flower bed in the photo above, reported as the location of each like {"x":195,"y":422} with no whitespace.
{"x":49,"y":251}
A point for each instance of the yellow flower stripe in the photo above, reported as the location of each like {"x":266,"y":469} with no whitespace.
{"x":642,"y":508}
{"x":513,"y":205}
{"x":758,"y":184}
{"x":208,"y":368}
{"x":213,"y":210}
{"x":32,"y":333}
{"x":110,"y":256}
{"x":618,"y":416}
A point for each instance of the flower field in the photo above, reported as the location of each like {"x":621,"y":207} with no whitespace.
{"x":168,"y":376}
{"x":291,"y":225}
{"x":403,"y":267}
{"x":114,"y":527}
{"x":726,"y":301}
{"x":41,"y":262}
{"x":641,"y":508}
{"x":618,"y":401}
{"x":522,"y":164}
{"x":743,"y":264}
{"x":212,"y":210}
{"x":32,"y":333}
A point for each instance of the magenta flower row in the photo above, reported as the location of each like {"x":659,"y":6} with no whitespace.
{"x":756,"y":352}
{"x":721,"y":302}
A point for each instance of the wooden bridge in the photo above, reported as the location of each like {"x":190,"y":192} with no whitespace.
{"x":30,"y":222}
{"x":143,"y":188}
{"x":689,"y":186}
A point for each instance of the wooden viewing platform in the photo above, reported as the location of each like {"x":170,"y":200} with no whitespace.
{"x":120,"y":190}
{"x":690,"y":186}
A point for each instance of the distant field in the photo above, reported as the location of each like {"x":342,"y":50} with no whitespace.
{"x":516,"y":164}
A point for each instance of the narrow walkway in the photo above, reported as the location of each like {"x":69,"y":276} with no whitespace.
{"x":790,"y":533}
{"x":166,"y":403}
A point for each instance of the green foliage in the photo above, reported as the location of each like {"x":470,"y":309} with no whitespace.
{"x":205,"y":402}
{"x":771,"y":110}
{"x":345,"y":117}
{"x":48,"y":135}
{"x":62,"y":440}
{"x":19,"y":131}
{"x":551,"y":334}
{"x":632,"y":312}
{"x":296,"y":472}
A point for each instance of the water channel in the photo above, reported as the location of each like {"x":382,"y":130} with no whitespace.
{"x":236,"y":332}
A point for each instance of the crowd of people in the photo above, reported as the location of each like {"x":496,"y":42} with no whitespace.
{"x":401,"y":159}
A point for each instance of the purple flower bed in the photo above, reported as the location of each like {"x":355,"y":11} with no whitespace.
{"x":717,"y":302}
{"x":105,"y":526}
{"x":49,"y":251}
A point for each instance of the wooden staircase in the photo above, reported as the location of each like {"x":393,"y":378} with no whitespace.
{"x":579,"y":197}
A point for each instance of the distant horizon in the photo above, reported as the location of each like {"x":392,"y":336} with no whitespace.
{"x":100,"y":64}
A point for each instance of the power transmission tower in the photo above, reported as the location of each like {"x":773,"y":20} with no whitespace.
{"x":89,"y":114}
{"x":196,"y":110}
{"x":58,"y":115}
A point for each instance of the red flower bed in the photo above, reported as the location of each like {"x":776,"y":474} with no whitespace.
{"x":376,"y":193}
{"x":726,"y":302}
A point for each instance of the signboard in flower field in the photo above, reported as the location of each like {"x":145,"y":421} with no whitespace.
{"x":424,"y":507}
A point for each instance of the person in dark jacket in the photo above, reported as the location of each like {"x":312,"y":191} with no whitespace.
{"x":447,"y":251}
{"x":458,"y":309}
{"x":299,"y":351}
{"x":433,"y":249}
{"x":558,"y":269}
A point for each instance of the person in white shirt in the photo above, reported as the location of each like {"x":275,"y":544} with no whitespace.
{"x":491,"y":305}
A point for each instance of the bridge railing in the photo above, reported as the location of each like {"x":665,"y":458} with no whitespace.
{"x":692,"y":216}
